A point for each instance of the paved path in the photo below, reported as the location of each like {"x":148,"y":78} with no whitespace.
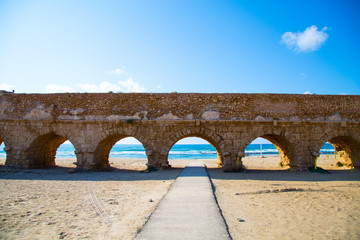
{"x":188,"y":211}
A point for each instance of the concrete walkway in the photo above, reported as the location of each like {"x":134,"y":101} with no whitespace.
{"x":188,"y":211}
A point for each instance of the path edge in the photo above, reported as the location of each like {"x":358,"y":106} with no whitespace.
{"x":217,"y":203}
{"x":157,"y":205}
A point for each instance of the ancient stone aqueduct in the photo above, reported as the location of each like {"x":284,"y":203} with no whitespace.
{"x":33,"y":126}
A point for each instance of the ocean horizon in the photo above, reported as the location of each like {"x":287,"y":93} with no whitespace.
{"x":178,"y":151}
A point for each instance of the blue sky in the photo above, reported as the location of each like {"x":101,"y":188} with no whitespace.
{"x":248,"y":46}
{"x":184,"y":46}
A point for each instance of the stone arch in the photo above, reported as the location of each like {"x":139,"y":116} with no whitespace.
{"x":103,"y":148}
{"x":282,"y":145}
{"x":210,"y":136}
{"x":41,"y":152}
{"x":280,"y":141}
{"x":346,"y":146}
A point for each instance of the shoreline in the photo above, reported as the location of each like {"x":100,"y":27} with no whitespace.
{"x":266,"y":162}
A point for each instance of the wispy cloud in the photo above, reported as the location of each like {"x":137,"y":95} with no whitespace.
{"x":131,"y":86}
{"x":117,"y":71}
{"x":128,"y":85}
{"x":57,"y":88}
{"x":102,"y":87}
{"x":88,"y":87}
{"x":309,"y":40}
{"x":307,"y":92}
{"x":6,"y":87}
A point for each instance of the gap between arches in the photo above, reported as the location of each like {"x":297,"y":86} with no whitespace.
{"x":121,"y":152}
{"x":268,"y":151}
{"x":190,"y":149}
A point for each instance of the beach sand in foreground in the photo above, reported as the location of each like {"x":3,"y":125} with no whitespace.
{"x":256,"y":204}
{"x":263,"y":204}
{"x":55,"y":204}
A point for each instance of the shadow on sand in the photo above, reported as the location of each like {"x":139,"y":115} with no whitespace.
{"x":66,"y":174}
{"x":285,"y":175}
{"x":117,"y":174}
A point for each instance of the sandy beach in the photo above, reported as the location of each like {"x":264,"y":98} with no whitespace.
{"x":257,"y":204}
{"x":263,"y":204}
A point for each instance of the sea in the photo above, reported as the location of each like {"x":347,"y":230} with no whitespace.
{"x":178,"y":151}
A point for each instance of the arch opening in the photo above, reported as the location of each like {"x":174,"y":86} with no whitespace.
{"x":43,"y":150}
{"x":121,"y":151}
{"x":194,"y":148}
{"x":267,"y":152}
{"x":339,"y":152}
{"x":65,"y":155}
{"x":327,"y":157}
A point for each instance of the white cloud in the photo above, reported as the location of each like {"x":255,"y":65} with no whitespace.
{"x":128,"y":85}
{"x":56,"y":88}
{"x":117,"y":71}
{"x":107,"y":87}
{"x":6,"y":87}
{"x":131,"y":86}
{"x":88,"y":87}
{"x":102,"y":87}
{"x":122,"y":86}
{"x":309,"y":40}
{"x":307,"y":92}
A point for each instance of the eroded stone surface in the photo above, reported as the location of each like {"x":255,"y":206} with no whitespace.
{"x":34,"y":125}
{"x":210,"y":115}
{"x":197,"y":105}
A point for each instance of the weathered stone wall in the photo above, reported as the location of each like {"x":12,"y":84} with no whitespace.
{"x":174,"y":106}
{"x":34,"y":125}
